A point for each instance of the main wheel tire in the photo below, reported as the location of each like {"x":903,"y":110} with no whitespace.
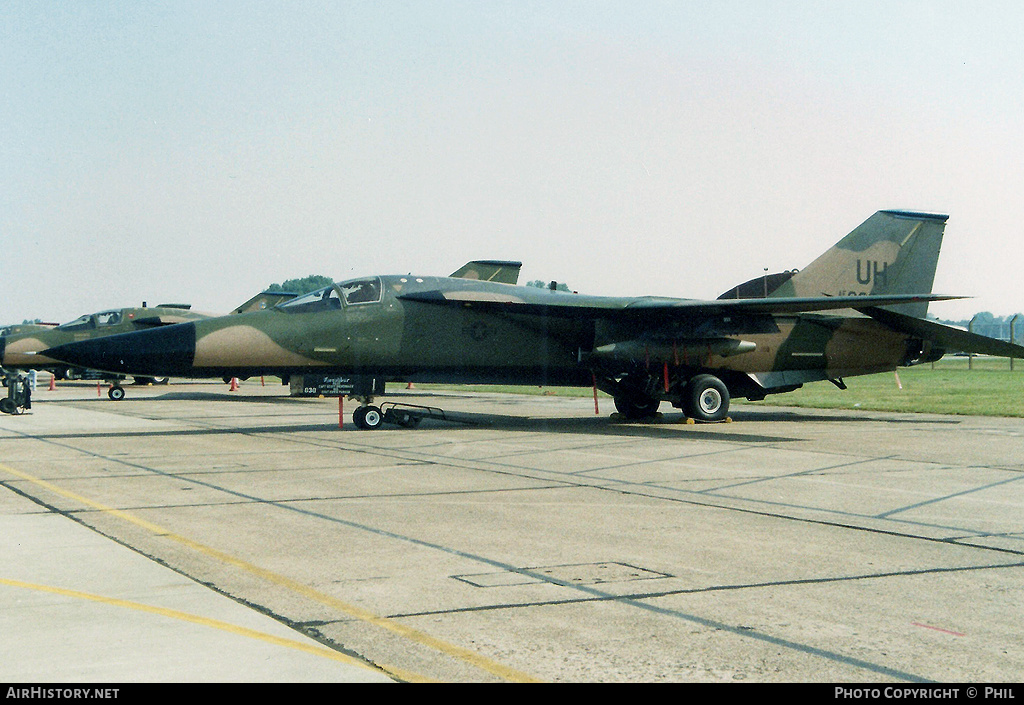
{"x":636,"y":407}
{"x":154,"y":380}
{"x":116,"y":393}
{"x":706,"y":398}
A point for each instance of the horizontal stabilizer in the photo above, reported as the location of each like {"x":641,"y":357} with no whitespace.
{"x":949,"y":338}
{"x":796,"y":304}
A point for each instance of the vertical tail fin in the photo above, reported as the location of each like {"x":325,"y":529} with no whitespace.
{"x":892,"y":252}
{"x":490,"y":270}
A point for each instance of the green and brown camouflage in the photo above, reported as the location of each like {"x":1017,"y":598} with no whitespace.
{"x":21,"y":346}
{"x":21,"y":349}
{"x":843,"y":315}
{"x":20,"y":328}
{"x":892,"y":252}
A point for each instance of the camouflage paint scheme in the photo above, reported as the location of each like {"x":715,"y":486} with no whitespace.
{"x":19,"y":328}
{"x":824,"y":322}
{"x":21,"y":346}
{"x":23,"y":350}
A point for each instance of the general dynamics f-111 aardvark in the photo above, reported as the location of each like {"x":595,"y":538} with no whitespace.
{"x":857,"y":309}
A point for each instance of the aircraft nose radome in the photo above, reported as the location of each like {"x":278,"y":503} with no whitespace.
{"x":162,"y":352}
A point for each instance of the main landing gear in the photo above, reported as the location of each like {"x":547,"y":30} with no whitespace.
{"x":117,"y":392}
{"x":703,"y":397}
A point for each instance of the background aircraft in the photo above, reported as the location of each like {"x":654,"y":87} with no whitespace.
{"x":21,"y":350}
{"x":21,"y":347}
{"x":19,"y":328}
{"x":856,"y":309}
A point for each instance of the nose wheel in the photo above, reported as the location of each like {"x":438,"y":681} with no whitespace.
{"x":367,"y":417}
{"x":19,"y":395}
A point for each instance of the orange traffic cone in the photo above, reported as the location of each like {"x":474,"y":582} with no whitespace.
{"x":234,"y":384}
{"x":53,"y":382}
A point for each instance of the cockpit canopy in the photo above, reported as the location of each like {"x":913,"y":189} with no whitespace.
{"x":353,"y":292}
{"x":91,"y":321}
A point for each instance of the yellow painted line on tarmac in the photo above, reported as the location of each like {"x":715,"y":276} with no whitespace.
{"x":194,"y":619}
{"x":354,"y":611}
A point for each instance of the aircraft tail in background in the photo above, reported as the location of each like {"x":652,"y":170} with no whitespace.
{"x":490,"y":270}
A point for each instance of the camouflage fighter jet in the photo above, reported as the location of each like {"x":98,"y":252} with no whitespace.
{"x":22,"y":350}
{"x":21,"y":347}
{"x":857,"y":309}
{"x":19,"y":328}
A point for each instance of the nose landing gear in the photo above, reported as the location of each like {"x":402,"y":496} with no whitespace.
{"x":368,"y":417}
{"x":19,"y":395}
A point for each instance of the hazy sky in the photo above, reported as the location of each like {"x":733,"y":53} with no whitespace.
{"x":197,"y":152}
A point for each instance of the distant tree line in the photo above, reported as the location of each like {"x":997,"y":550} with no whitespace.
{"x":302,"y":286}
{"x":559,"y":286}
